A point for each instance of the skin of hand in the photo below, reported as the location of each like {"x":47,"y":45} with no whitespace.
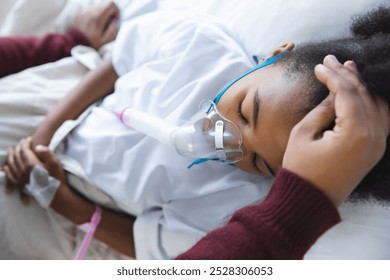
{"x":99,"y":24}
{"x":21,"y":161}
{"x":336,"y":160}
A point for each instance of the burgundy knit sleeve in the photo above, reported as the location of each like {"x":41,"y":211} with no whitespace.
{"x":284,"y":226}
{"x":20,"y":52}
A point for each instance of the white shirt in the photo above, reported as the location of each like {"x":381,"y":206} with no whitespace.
{"x":167,"y":62}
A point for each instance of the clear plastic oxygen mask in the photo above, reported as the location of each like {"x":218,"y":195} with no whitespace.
{"x":207,"y":136}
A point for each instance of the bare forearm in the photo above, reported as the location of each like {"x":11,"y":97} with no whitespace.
{"x":115,"y":229}
{"x":94,"y":86}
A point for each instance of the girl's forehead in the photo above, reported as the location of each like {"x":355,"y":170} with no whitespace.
{"x":267,"y":79}
{"x":257,"y":68}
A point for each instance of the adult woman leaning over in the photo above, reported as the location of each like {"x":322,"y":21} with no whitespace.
{"x":302,"y":201}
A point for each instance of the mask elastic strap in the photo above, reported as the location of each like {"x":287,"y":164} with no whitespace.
{"x":269,"y":61}
{"x":201,"y":160}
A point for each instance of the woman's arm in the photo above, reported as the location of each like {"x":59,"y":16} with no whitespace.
{"x":21,"y":52}
{"x":93,"y":27}
{"x":332,"y":162}
{"x":284,"y":226}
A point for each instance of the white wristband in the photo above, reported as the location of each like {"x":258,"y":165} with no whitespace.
{"x":42,"y":187}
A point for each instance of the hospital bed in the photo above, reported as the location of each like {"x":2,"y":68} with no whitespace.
{"x":259,"y":25}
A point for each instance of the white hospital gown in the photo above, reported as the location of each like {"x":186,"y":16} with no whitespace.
{"x":167,"y":62}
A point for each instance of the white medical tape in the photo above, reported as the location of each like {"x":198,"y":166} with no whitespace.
{"x":42,"y":187}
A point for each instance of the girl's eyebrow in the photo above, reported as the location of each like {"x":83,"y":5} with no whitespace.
{"x":256,"y":108}
{"x":255,"y":116}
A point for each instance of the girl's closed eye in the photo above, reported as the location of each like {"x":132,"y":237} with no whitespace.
{"x":254,"y":165}
{"x":268,"y":171}
{"x":240,"y":114}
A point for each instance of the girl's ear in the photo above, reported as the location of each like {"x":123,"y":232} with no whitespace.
{"x":286,"y":47}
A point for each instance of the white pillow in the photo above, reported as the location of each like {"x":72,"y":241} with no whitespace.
{"x":263,"y":25}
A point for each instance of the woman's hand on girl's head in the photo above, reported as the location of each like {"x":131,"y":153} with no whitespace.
{"x":336,"y":160}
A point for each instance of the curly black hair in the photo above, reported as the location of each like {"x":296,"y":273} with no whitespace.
{"x":369,"y":47}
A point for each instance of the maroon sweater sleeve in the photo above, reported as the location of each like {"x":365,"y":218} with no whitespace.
{"x":284,"y":226}
{"x":20,"y":52}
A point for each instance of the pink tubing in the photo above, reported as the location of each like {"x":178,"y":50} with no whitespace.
{"x":93,"y":224}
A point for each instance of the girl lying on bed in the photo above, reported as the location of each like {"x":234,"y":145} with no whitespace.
{"x":164,"y":70}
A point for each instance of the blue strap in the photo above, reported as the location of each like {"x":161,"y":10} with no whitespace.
{"x":265,"y":63}
{"x":201,"y":160}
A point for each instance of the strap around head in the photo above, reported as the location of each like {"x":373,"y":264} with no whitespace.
{"x":269,"y":61}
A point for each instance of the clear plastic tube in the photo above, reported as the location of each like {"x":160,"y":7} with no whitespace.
{"x":150,"y":125}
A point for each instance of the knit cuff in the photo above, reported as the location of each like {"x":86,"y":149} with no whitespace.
{"x":77,"y":37}
{"x":298,"y":211}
